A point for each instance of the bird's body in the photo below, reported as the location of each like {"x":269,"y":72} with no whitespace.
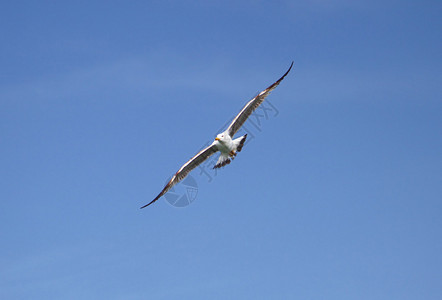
{"x":224,"y":142}
{"x":229,"y":148}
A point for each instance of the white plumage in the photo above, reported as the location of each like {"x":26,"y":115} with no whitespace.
{"x":224,"y":141}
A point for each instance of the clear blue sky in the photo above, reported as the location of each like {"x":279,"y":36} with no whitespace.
{"x":339,"y":196}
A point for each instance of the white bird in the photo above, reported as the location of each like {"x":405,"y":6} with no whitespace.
{"x":224,"y":141}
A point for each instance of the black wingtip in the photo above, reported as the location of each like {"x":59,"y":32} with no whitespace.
{"x":146,"y":205}
{"x":277,"y":82}
{"x":149,"y":203}
{"x":291,"y":65}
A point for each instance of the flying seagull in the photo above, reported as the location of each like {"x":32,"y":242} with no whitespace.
{"x":223,"y":143}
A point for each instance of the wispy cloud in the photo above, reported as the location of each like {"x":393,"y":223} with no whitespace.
{"x":325,"y":6}
{"x":344,"y":84}
{"x":142,"y":74}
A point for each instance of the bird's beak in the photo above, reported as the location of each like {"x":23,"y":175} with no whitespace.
{"x":217,"y":139}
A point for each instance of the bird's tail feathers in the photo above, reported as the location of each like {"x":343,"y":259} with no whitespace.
{"x":239,"y":142}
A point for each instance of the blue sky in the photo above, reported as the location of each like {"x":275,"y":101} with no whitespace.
{"x":337,"y":196}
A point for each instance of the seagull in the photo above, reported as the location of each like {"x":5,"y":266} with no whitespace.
{"x":224,"y":142}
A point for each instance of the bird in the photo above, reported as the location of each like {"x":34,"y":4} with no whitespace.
{"x":224,"y":142}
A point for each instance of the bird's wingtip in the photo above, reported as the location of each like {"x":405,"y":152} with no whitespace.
{"x":283,"y":76}
{"x":148,"y":203}
{"x":291,"y":65}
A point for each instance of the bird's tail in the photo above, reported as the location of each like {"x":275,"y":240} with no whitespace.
{"x":239,"y":142}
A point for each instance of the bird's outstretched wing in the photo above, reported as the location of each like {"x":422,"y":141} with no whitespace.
{"x":185,"y":170}
{"x":252,"y":105}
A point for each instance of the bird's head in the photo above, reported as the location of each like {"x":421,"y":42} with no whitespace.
{"x":220,"y":137}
